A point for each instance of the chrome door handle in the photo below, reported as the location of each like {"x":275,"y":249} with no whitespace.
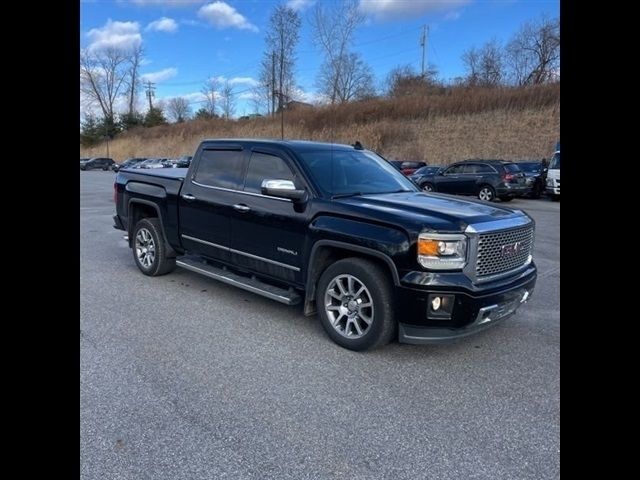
{"x":241,"y":208}
{"x":188,"y":197}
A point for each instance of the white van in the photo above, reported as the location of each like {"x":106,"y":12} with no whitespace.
{"x":553,"y":177}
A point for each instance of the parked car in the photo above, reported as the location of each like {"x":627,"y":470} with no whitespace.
{"x":397,"y":164}
{"x":153,"y":163}
{"x":553,"y":177}
{"x":486,"y":179}
{"x":408,"y":168}
{"x":336,"y":228}
{"x":96,"y":163}
{"x":419,"y":176}
{"x":536,"y":177}
{"x":129,"y":163}
{"x":181,"y":162}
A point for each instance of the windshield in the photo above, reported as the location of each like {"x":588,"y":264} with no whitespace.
{"x":530,"y":167}
{"x":341,"y":172}
{"x":555,"y":162}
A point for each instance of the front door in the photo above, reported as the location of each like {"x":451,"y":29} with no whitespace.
{"x":206,"y":201}
{"x":267,"y":233}
{"x":451,"y":180}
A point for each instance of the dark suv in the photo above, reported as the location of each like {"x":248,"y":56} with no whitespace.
{"x":93,"y":163}
{"x":486,"y":179}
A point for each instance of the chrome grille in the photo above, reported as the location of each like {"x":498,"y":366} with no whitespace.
{"x":496,"y":254}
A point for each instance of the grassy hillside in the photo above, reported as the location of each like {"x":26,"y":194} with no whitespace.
{"x":440,"y":128}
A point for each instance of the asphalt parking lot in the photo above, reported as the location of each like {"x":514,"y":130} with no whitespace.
{"x":183,"y":377}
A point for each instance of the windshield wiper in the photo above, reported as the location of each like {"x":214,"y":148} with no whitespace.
{"x":345,"y":195}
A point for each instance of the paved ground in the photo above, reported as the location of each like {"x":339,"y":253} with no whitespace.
{"x":186,"y":378}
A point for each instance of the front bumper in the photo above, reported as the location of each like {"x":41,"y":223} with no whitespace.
{"x":475,"y":308}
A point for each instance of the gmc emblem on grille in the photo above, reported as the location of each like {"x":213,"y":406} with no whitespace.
{"x":511,"y":249}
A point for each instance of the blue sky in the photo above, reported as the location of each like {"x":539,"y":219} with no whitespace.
{"x":188,"y":41}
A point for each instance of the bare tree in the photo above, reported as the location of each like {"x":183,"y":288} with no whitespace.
{"x":355,"y":81}
{"x":133,"y":77}
{"x":210,"y":92}
{"x":485,"y":66}
{"x":278,"y":64}
{"x":333,"y":27}
{"x":103,"y":75}
{"x":178,"y":109}
{"x":404,"y":80}
{"x":228,"y":100}
{"x":533,"y":55}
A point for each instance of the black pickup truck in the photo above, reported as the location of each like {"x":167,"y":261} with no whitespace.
{"x":336,"y":227}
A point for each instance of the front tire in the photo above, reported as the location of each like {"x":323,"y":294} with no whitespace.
{"x":487,"y":193}
{"x":427,"y":187}
{"x":149,"y":251}
{"x":355,"y":304}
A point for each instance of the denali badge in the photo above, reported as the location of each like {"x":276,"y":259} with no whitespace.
{"x":286,"y":250}
{"x":511,"y":249}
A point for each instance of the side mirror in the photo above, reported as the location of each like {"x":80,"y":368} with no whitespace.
{"x":282,"y":189}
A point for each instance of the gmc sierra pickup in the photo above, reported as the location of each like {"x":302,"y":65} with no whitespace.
{"x":336,"y":227}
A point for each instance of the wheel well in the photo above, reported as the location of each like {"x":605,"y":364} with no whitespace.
{"x":138,"y":212}
{"x":324,"y":257}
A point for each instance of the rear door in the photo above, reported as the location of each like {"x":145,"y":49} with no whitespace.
{"x":207,"y":198}
{"x":469,"y":178}
{"x":267,"y":232}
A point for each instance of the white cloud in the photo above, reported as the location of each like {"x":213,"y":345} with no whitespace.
{"x":159,"y":76}
{"x":121,"y":35}
{"x":453,"y":15}
{"x":164,"y":24}
{"x":396,"y":9}
{"x":300,"y":4}
{"x":167,"y":3}
{"x":249,"y":81}
{"x":222,"y":15}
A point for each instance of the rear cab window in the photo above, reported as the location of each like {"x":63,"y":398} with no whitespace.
{"x":220,"y":168}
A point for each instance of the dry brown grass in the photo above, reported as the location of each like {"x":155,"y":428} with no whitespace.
{"x":460,"y":123}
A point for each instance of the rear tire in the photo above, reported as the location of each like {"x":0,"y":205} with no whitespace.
{"x":487,"y":193}
{"x":427,"y":187}
{"x":354,"y":298}
{"x":149,"y":250}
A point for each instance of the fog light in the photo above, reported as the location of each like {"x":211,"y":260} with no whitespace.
{"x":435,"y":303}
{"x":440,"y":307}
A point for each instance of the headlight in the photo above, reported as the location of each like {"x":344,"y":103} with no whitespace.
{"x":442,"y":251}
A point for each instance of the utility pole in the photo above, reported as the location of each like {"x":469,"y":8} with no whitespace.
{"x":423,"y":44}
{"x":150,"y":94}
{"x":281,"y":96}
{"x":273,"y":82}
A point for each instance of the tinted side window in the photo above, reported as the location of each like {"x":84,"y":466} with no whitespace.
{"x":470,"y":168}
{"x":511,"y":167}
{"x":220,"y":168}
{"x":263,"y":166}
{"x":483,"y":168}
{"x":454,"y":169}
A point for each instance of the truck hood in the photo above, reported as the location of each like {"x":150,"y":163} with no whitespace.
{"x":442,"y":212}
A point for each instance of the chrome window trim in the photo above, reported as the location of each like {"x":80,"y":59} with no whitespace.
{"x":250,"y":255}
{"x":240,"y":191}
